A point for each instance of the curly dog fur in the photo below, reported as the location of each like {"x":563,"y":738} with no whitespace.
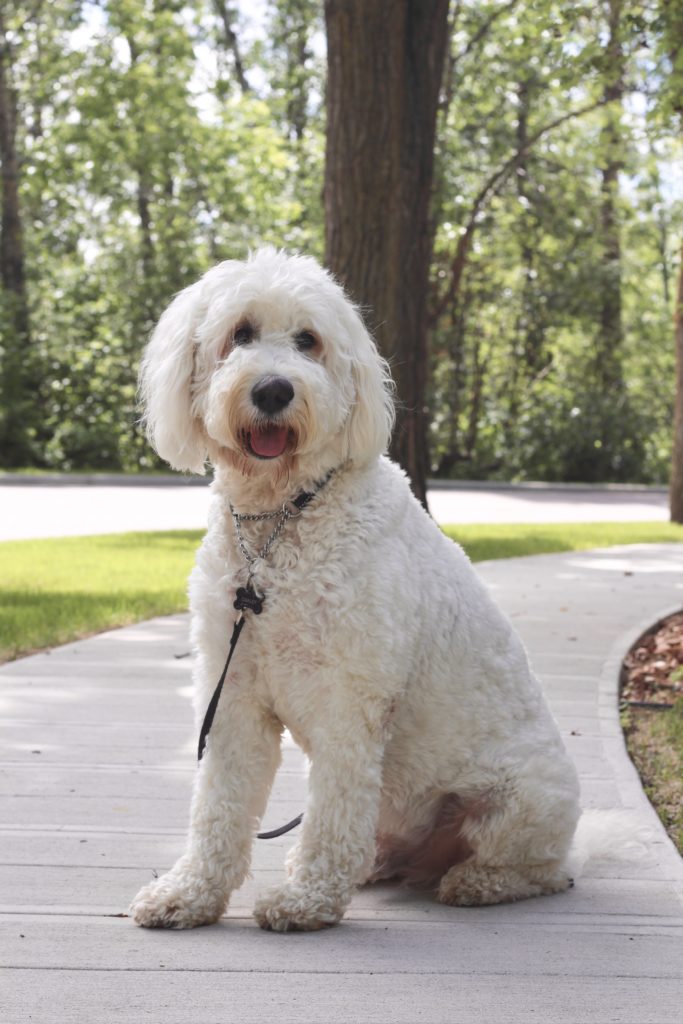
{"x":433,"y":754}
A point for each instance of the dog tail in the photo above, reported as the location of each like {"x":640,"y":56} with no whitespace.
{"x":608,"y":835}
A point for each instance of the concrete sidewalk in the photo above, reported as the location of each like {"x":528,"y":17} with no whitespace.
{"x":96,"y":774}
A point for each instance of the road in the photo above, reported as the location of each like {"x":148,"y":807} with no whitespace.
{"x":60,"y":509}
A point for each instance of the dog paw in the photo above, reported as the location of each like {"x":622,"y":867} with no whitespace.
{"x":295,"y":908}
{"x":177,"y":901}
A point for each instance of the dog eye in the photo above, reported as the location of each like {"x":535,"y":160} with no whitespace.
{"x":244,"y":333}
{"x":306,"y":341}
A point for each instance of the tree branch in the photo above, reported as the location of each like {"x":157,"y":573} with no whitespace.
{"x":454,"y":59}
{"x":490,"y":188}
{"x":483,"y":31}
{"x":223,"y":13}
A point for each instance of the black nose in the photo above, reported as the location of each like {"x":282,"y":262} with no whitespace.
{"x":272,"y":394}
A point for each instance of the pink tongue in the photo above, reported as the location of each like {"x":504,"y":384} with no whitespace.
{"x":270,"y":442}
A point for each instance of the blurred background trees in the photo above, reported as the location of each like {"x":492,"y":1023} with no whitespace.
{"x":143,"y":140}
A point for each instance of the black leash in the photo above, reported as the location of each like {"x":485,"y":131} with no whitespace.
{"x":213,"y":703}
{"x":247,"y":599}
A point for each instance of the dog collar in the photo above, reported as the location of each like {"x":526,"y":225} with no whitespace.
{"x":247,"y":597}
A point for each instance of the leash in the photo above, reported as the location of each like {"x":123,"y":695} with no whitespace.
{"x":247,"y":599}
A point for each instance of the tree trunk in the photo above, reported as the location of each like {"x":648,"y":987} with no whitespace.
{"x":144,"y":196}
{"x":676,"y":492}
{"x":610,"y":335}
{"x":297,"y":54}
{"x":385,"y":66}
{"x":530,"y":326}
{"x":14,"y":446}
{"x":11,"y":244}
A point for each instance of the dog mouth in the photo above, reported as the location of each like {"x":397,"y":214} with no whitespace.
{"x":269,"y":442}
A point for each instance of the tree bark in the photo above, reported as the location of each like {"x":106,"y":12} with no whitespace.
{"x":385,"y":67}
{"x":673,"y":28}
{"x":676,"y":490}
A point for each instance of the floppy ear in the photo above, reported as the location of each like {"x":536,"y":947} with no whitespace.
{"x":165,"y":386}
{"x":372,"y":416}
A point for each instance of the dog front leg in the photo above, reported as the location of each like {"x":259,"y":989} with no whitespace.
{"x":337,"y":846}
{"x":230,"y":793}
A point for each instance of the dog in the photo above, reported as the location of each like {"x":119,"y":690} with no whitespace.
{"x":434,"y":758}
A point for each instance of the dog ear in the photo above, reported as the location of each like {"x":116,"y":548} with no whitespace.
{"x":165,"y":386}
{"x":372,"y":416}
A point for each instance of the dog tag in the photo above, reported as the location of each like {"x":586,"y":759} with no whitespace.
{"x":248,"y":600}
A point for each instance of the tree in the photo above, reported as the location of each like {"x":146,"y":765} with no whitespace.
{"x":296,"y":87}
{"x":32,"y":64}
{"x":16,"y":336}
{"x":610,"y":337}
{"x":229,"y":38}
{"x":671,"y":24}
{"x":518,"y":298}
{"x":385,"y":70}
{"x":143,"y":140}
{"x":676,"y":488}
{"x":132,"y":184}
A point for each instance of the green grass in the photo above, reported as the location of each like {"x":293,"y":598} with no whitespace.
{"x":504,"y":540}
{"x":53,"y":591}
{"x":655,"y":743}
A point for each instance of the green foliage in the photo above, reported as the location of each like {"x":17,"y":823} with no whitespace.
{"x":143,"y":165}
{"x":524,"y":346}
{"x":146,"y":156}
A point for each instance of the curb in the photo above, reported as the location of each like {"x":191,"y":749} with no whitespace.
{"x":626,"y":777}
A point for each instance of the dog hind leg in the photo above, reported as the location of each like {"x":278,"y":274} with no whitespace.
{"x":519,"y":848}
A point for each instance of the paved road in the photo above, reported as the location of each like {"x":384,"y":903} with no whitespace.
{"x":95,"y":777}
{"x":53,"y":511}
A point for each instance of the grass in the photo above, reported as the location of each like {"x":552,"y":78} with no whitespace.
{"x":503,"y":540}
{"x":54,"y":591}
{"x":655,"y":744}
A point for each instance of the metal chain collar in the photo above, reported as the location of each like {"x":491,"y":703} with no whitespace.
{"x":285,"y":514}
{"x":290,"y":509}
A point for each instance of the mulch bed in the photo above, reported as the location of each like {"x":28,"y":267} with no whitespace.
{"x":652,"y":718}
{"x":652,"y":674}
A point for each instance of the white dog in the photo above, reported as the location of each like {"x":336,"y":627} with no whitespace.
{"x":433,"y":755}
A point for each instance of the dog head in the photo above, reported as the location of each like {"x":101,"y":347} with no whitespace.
{"x":265,"y":366}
